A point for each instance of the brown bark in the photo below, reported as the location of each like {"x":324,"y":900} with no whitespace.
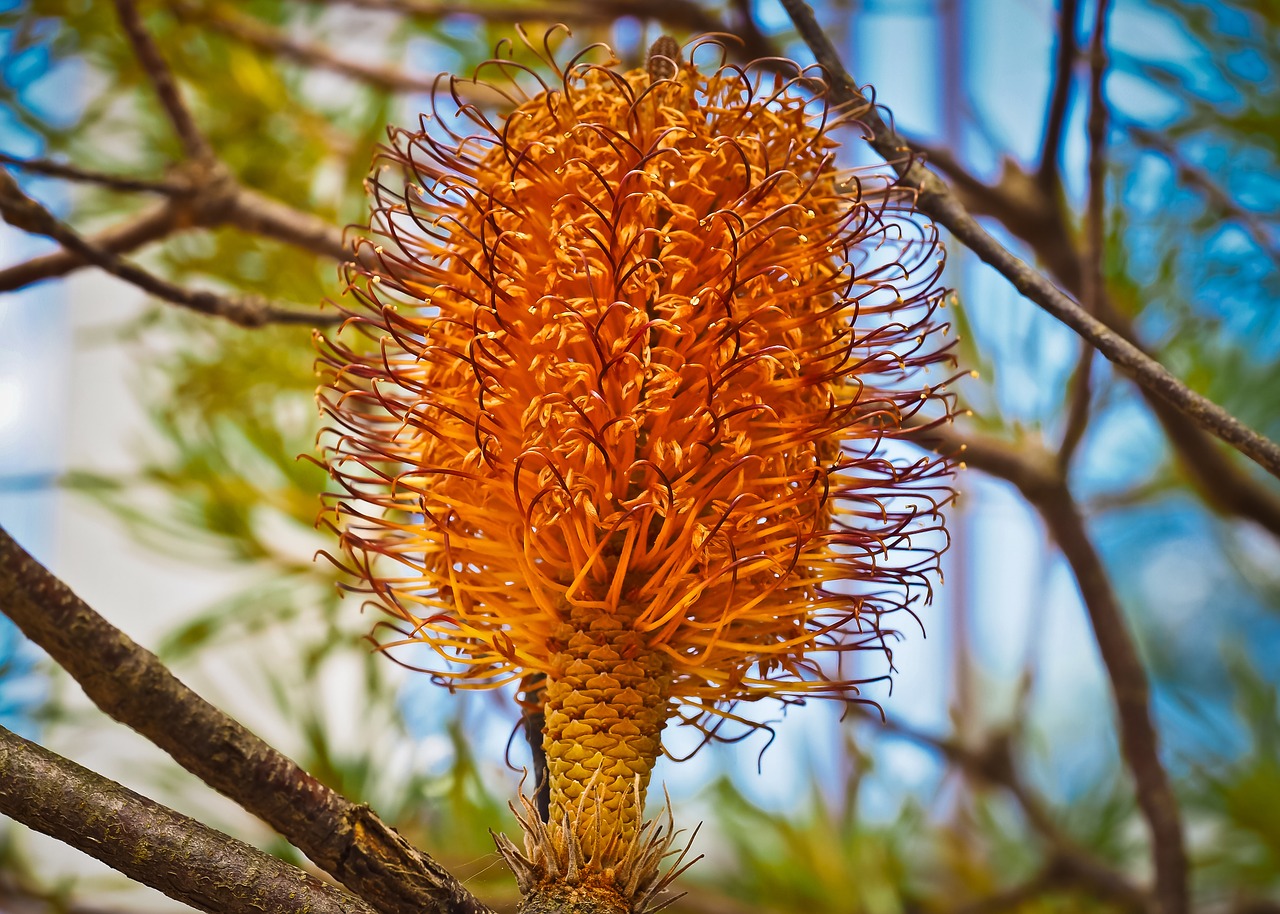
{"x":151,"y":843}
{"x":129,"y":683}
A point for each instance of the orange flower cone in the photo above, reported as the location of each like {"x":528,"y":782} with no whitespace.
{"x":611,"y":407}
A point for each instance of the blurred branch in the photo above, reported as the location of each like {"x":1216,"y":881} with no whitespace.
{"x":269,"y":40}
{"x":130,"y":684}
{"x":1139,"y":742}
{"x":148,"y":226}
{"x":936,"y":200}
{"x":1039,"y":477}
{"x":70,"y":172}
{"x":193,"y":141}
{"x":1217,"y":197}
{"x":200,"y":196}
{"x":681,"y":13}
{"x":151,"y":843}
{"x":1059,"y":95}
{"x":1068,"y":861}
{"x":25,"y":213}
{"x":1092,"y":251}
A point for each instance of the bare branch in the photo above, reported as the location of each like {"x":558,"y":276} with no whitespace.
{"x":1038,"y":475}
{"x":193,"y":141}
{"x":1139,"y":742}
{"x":148,"y":226}
{"x":255,"y":34}
{"x":25,"y":213}
{"x":130,"y":684}
{"x":70,"y":172}
{"x":1218,"y":198}
{"x":1056,"y":114}
{"x":263,"y":215}
{"x":1091,"y":254}
{"x":151,"y":843}
{"x":994,"y":764}
{"x":935,"y":199}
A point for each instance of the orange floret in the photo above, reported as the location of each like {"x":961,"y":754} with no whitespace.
{"x":613,"y":401}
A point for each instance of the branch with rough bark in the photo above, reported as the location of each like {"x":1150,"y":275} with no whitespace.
{"x":151,"y":843}
{"x":936,"y":200}
{"x":130,"y":684}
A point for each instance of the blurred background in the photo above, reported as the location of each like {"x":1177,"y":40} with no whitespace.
{"x":148,"y":455}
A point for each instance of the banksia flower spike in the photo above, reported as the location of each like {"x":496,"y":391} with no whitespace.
{"x":611,"y":416}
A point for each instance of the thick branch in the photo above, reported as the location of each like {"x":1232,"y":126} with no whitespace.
{"x":151,"y":843}
{"x":131,"y":685}
{"x":193,"y":141}
{"x":25,"y":213}
{"x":935,"y":199}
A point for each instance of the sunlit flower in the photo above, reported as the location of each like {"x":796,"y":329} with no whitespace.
{"x":611,"y":411}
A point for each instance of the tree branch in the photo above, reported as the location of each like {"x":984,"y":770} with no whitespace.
{"x":1091,"y":255}
{"x":130,"y":684}
{"x":1038,"y":475}
{"x":148,"y":226}
{"x":262,"y":215}
{"x":151,"y":843}
{"x":1139,"y":742}
{"x":70,"y":172}
{"x":25,"y":213}
{"x":1059,"y":96}
{"x":255,"y":34}
{"x":193,"y":141}
{"x":994,"y":765}
{"x":935,"y":199}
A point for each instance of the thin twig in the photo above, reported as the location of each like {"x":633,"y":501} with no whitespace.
{"x":1091,"y":253}
{"x":256,"y":34}
{"x":70,"y":172}
{"x":262,"y":215}
{"x":935,"y":199}
{"x":1060,"y":95}
{"x":150,"y":225}
{"x":151,"y":843}
{"x":1197,"y":178}
{"x":130,"y":684}
{"x":193,"y":141}
{"x":25,"y":213}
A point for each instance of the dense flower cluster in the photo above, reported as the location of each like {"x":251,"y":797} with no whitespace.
{"x":611,"y":408}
